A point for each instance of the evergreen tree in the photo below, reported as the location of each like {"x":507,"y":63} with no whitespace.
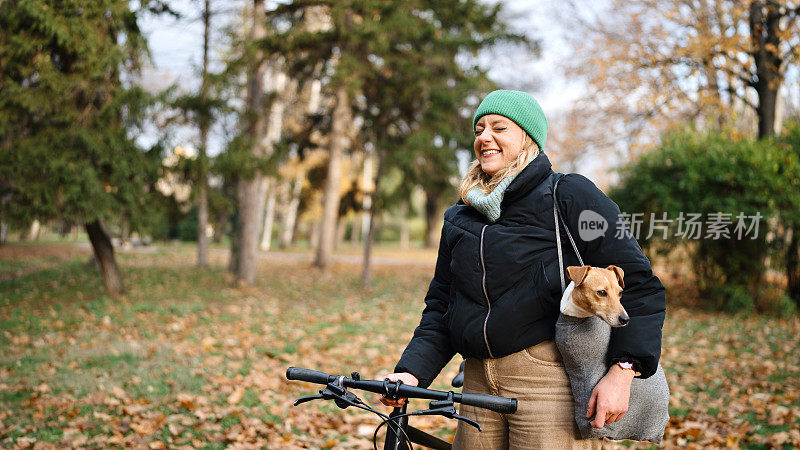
{"x":391,"y":61}
{"x":68,"y":115}
{"x":418,"y":94}
{"x":203,"y":108}
{"x":248,"y":160}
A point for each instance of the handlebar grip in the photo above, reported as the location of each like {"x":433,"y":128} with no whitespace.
{"x":497,"y":404}
{"x":309,"y":375}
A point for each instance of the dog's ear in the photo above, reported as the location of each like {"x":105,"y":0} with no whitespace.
{"x":619,"y":273}
{"x":577,"y":273}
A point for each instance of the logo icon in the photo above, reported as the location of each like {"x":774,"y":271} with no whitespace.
{"x":591,"y":225}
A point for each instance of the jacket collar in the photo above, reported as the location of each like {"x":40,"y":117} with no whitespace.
{"x":534,"y":173}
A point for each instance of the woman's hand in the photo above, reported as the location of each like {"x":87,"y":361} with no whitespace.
{"x":406,"y":378}
{"x":610,"y":397}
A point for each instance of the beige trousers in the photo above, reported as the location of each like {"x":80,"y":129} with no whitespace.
{"x":544,"y":418}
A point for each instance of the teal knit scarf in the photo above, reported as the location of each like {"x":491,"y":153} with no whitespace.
{"x":489,"y":204}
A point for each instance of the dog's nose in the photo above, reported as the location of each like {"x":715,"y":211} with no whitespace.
{"x":624,"y":319}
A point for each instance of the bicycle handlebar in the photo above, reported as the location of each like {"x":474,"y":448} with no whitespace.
{"x":309,"y":375}
{"x":498,"y":404}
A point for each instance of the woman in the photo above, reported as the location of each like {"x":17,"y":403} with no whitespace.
{"x":495,"y":293}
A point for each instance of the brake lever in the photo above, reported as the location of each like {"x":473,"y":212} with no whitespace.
{"x":467,"y":420}
{"x":341,"y":397}
{"x":307,"y":399}
{"x":447,"y":409}
{"x":333,"y":391}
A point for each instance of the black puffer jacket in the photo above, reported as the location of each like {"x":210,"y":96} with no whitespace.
{"x":496,"y":287}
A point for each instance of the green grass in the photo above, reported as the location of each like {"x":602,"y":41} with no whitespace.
{"x":39,"y":287}
{"x":678,"y":412}
{"x":48,"y":434}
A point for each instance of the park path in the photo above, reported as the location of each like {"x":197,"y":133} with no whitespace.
{"x":398,"y":258}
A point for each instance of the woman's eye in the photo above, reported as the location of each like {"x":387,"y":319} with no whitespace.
{"x":500,"y":128}
{"x":601,"y":293}
{"x":477,"y":132}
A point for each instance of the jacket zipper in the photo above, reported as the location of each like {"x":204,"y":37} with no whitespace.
{"x":485,"y":294}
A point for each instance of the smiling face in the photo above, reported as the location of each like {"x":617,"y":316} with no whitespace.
{"x":498,"y":141}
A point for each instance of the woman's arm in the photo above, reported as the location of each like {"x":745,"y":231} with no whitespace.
{"x":430,"y":349}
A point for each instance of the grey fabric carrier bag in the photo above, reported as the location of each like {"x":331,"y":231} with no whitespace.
{"x":583,"y":344}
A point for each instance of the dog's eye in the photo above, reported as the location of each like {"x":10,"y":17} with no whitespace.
{"x":601,"y":293}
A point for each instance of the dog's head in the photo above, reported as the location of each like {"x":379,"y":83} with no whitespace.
{"x":598,"y":291}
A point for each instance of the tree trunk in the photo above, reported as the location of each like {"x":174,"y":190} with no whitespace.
{"x":216,"y":237}
{"x":404,"y":238}
{"x":281,"y":86}
{"x":705,"y":20}
{"x":205,"y":122}
{"x":718,"y":106}
{"x":315,"y":96}
{"x":355,"y":233}
{"x":269,"y":217}
{"x":766,"y":43}
{"x":124,"y":233}
{"x":296,"y":232}
{"x":366,"y":275}
{"x":250,"y":192}
{"x":341,"y":229}
{"x":765,"y":17}
{"x":432,"y":216}
{"x":3,"y":224}
{"x":63,"y":229}
{"x":330,"y":206}
{"x":778,"y":114}
{"x":219,"y":228}
{"x":104,"y":255}
{"x":202,"y":225}
{"x":767,"y":99}
{"x":313,"y":238}
{"x":793,"y":266}
{"x":233,"y":263}
{"x":3,"y":233}
{"x":35,"y":230}
{"x":290,"y":214}
{"x":366,"y":203}
{"x":250,"y":196}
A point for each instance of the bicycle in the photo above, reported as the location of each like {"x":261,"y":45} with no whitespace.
{"x":399,"y":432}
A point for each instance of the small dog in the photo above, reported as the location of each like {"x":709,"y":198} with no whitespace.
{"x":598,"y":294}
{"x":590,"y":306}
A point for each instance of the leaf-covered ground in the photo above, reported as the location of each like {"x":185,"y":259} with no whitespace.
{"x":186,"y":360}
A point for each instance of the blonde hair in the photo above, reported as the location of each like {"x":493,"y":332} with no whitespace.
{"x":477,"y":177}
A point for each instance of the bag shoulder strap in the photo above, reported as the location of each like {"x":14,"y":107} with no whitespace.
{"x":556,"y":216}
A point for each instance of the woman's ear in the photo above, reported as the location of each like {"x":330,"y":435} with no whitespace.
{"x":577,"y":273}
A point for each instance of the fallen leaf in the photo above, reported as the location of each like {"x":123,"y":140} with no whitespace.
{"x":119,"y":393}
{"x":236,"y":396}
{"x":778,"y":439}
{"x":186,"y":401}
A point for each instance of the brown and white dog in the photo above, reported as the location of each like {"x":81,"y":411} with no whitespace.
{"x":591,"y":303}
{"x":595,"y":292}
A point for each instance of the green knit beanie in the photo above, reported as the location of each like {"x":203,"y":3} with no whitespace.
{"x":518,"y":106}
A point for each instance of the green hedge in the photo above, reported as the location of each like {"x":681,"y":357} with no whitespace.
{"x":713,"y":173}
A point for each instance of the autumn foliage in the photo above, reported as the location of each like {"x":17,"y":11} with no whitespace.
{"x":186,"y":361}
